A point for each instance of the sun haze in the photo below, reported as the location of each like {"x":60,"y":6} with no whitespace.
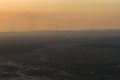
{"x":67,"y":14}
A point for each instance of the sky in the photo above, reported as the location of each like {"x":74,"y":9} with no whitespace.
{"x":24,"y":15}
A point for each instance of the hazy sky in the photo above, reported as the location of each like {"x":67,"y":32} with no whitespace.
{"x":67,"y":14}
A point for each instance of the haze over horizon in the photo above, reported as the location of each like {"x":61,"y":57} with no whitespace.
{"x":67,"y":14}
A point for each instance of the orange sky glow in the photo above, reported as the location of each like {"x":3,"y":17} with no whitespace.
{"x":67,"y":14}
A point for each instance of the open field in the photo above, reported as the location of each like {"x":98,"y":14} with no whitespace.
{"x":27,"y":56}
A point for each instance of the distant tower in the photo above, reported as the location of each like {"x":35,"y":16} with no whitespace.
{"x":56,"y":28}
{"x":11,"y":28}
{"x":31,"y":20}
{"x":30,"y":17}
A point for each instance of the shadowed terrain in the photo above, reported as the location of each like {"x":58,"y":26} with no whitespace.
{"x":64,"y":56}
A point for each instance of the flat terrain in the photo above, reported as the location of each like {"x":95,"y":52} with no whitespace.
{"x":34,"y":57}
